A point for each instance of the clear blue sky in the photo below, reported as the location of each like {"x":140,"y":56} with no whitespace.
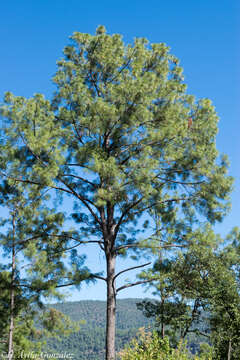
{"x":203,"y":34}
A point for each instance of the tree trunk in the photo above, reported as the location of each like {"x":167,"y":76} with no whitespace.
{"x":229,"y":349}
{"x":162,"y":319}
{"x":10,"y":341}
{"x":12,"y":294}
{"x":111,"y":308}
{"x":162,"y":330}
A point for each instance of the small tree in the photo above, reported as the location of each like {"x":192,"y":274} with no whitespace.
{"x":225,"y":300}
{"x":120,"y":137}
{"x":203,"y":286}
{"x":29,"y":275}
{"x":183,"y":285}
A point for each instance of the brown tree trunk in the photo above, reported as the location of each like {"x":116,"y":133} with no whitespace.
{"x":162,"y":330}
{"x":12,"y":294}
{"x":111,"y":308}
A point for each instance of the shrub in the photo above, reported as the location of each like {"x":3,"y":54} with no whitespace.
{"x":149,"y":346}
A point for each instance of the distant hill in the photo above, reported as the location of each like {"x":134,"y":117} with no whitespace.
{"x":89,"y":342}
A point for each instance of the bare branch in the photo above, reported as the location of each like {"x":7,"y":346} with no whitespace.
{"x":134,"y":284}
{"x":148,"y":246}
{"x":45,"y":287}
{"x":64,"y":285}
{"x":131,"y":268}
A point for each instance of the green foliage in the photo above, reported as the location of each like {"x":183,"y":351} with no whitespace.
{"x":182,"y":285}
{"x":33,"y":328}
{"x":206,"y":351}
{"x":225,"y":300}
{"x":199,"y":293}
{"x":29,"y":276}
{"x":116,"y":138}
{"x":151,"y":347}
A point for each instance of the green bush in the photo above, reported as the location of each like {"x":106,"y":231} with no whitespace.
{"x":150,"y":347}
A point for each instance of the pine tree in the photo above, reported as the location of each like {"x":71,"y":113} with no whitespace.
{"x":117,"y":139}
{"x":32,"y":271}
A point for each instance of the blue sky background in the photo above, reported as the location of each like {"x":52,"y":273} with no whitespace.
{"x":204,"y":35}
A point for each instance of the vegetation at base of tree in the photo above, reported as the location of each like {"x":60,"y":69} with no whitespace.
{"x":149,"y":346}
{"x":88,"y":343}
{"x":199,"y":293}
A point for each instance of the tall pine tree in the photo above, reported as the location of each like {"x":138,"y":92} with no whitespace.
{"x":120,"y":137}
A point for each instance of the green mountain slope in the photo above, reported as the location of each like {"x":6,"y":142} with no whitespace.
{"x":89,"y":342}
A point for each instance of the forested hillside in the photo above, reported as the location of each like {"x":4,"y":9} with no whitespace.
{"x":89,"y":342}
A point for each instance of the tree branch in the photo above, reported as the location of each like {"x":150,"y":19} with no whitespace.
{"x":83,"y":200}
{"x":131,"y":268}
{"x":148,"y":247}
{"x":160,"y":202}
{"x":61,"y":236}
{"x":82,"y":179}
{"x":126,"y":211}
{"x":180,"y":182}
{"x":79,"y":136}
{"x":134,"y":284}
{"x":20,"y":180}
{"x":99,"y":277}
{"x":31,"y":151}
{"x":79,"y":243}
